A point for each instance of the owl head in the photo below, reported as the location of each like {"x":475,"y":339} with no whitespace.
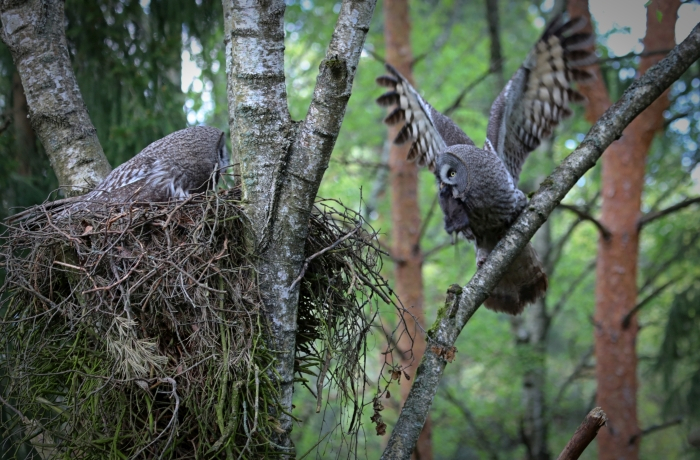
{"x":454,"y":169}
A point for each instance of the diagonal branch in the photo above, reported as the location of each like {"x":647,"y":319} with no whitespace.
{"x":628,"y":317}
{"x":463,"y":303}
{"x":583,"y":215}
{"x":467,"y":89}
{"x":481,"y":438}
{"x":652,"y":216}
{"x":654,"y":428}
{"x":575,"y":374}
{"x":585,"y":433}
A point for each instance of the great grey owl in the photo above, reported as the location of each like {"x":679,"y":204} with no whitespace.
{"x":172,"y":168}
{"x":478,"y":190}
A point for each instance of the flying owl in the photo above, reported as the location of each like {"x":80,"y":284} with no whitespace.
{"x":478,"y":190}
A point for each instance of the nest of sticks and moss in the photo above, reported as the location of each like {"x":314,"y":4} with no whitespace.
{"x":137,"y":331}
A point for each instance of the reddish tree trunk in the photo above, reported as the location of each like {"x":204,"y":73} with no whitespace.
{"x":616,"y":278}
{"x":405,"y":218}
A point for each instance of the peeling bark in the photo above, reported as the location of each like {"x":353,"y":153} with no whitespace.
{"x":34,"y":32}
{"x":463,"y":302}
{"x":405,"y":219}
{"x":623,"y":171}
{"x":282,"y":163}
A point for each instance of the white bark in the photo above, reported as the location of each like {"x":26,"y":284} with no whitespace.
{"x":34,"y":32}
{"x":282,"y":164}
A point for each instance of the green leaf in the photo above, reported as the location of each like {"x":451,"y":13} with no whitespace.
{"x":659,"y":15}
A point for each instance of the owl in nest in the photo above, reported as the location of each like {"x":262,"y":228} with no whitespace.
{"x":478,"y":190}
{"x":172,"y":168}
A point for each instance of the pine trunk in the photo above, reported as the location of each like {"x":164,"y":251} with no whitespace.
{"x":623,"y":169}
{"x":405,"y":218}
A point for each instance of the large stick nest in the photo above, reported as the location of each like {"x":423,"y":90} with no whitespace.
{"x":137,"y":331}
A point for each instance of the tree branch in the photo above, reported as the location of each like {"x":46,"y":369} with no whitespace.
{"x":461,"y":304}
{"x":481,"y":438}
{"x":467,"y":89}
{"x":580,"y":366}
{"x":585,"y":433}
{"x":654,"y":428}
{"x":628,"y":317}
{"x":632,"y":55}
{"x":652,"y":216}
{"x":34,"y":32}
{"x":583,"y":215}
{"x":571,"y":289}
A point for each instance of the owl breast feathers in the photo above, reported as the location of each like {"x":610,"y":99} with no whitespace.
{"x":478,"y":190}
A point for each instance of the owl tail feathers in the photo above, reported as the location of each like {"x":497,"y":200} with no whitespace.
{"x":524,"y":283}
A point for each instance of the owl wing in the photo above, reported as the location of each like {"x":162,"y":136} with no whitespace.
{"x":537,"y":98}
{"x":429,"y":131}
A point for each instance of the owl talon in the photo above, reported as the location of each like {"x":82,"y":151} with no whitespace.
{"x":480,"y":261}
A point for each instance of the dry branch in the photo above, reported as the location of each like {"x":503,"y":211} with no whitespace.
{"x":584,"y":434}
{"x":450,"y":322}
{"x":583,"y":215}
{"x":655,"y":428}
{"x":652,"y":216}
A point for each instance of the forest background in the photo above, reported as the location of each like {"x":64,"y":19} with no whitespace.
{"x":146,"y":69}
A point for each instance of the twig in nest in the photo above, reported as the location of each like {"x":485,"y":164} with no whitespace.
{"x":321,"y":252}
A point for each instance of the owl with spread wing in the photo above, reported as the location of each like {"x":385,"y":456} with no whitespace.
{"x":478,"y":187}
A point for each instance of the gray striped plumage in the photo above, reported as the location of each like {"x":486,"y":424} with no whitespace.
{"x":478,"y":187}
{"x":172,"y":168}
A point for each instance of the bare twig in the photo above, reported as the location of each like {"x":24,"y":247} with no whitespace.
{"x":584,"y":434}
{"x":652,"y":216}
{"x":628,"y":317}
{"x":571,"y":289}
{"x":580,"y":366}
{"x":467,"y":89}
{"x":633,"y":55}
{"x":481,"y":438}
{"x":661,"y":268}
{"x":654,"y":428}
{"x":584,"y":215}
{"x":320,"y":253}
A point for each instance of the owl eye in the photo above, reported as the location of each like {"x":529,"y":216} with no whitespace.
{"x":452,"y":173}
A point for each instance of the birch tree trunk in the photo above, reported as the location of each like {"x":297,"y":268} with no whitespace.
{"x":624,"y":164}
{"x":405,"y":219}
{"x":461,"y":303}
{"x":34,"y":32}
{"x":282,"y":162}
